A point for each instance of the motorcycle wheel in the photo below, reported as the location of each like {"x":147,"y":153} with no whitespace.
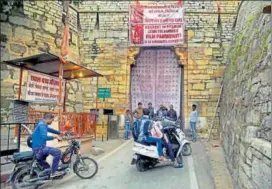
{"x":20,"y":178}
{"x":180,"y":159}
{"x":186,"y":149}
{"x":82,"y":168}
{"x":140,"y":165}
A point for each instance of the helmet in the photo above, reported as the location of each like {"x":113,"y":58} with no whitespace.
{"x":146,"y":111}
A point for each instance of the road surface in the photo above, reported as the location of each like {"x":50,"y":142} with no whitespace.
{"x":115,"y":172}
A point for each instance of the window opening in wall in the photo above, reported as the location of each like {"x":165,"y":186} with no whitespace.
{"x":108,"y":112}
{"x":267,"y":9}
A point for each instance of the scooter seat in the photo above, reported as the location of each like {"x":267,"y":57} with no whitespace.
{"x":146,"y":144}
{"x":23,"y":156}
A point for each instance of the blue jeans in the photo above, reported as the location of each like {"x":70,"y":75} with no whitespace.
{"x":169,"y":149}
{"x":193,"y":129}
{"x":154,"y":140}
{"x":127,"y":129}
{"x":44,"y":151}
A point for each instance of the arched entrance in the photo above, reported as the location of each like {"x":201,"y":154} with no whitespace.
{"x":157,"y":77}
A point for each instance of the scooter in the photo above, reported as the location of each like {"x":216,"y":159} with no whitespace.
{"x":146,"y":156}
{"x":168,"y":122}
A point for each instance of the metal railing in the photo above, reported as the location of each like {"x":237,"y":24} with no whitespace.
{"x":11,"y":135}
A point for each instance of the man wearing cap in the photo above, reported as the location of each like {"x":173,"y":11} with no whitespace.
{"x":161,"y":112}
{"x":39,"y":138}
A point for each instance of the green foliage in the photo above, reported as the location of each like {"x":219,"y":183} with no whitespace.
{"x":17,"y":4}
{"x":241,"y":49}
{"x":13,"y":4}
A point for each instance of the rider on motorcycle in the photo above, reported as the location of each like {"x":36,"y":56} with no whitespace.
{"x":39,"y":138}
{"x":144,"y":136}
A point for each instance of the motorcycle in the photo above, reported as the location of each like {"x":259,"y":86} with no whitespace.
{"x":27,"y":172}
{"x":146,"y":156}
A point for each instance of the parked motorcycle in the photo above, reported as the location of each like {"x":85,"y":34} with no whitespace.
{"x":146,"y":156}
{"x":28,"y":173}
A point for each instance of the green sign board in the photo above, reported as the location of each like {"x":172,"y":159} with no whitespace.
{"x":104,"y":92}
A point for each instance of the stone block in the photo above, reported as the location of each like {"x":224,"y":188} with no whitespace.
{"x":199,"y":86}
{"x":23,"y":34}
{"x":23,"y":21}
{"x":261,"y":174}
{"x":214,"y":45}
{"x":208,"y":51}
{"x":242,"y":150}
{"x":210,"y":34}
{"x":246,"y":168}
{"x":202,"y":77}
{"x":244,"y":180}
{"x":213,"y":85}
{"x":263,"y":146}
{"x":6,"y":29}
{"x":253,"y":116}
{"x":209,"y":39}
{"x":249,"y":153}
{"x":249,"y":134}
{"x":215,"y":91}
{"x":17,"y":48}
{"x":201,"y":62}
{"x":194,"y":93}
{"x":49,"y":27}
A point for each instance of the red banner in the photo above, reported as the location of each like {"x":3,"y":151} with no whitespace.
{"x":156,"y":25}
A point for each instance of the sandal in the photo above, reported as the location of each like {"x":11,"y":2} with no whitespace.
{"x":162,"y":158}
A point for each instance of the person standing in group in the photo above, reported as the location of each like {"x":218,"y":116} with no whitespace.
{"x":151,"y":111}
{"x":128,"y":122}
{"x":193,"y":121}
{"x":138,"y":113}
{"x":161,"y":111}
{"x":172,"y":113}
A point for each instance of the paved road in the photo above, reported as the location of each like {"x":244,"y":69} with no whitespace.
{"x":115,"y":172}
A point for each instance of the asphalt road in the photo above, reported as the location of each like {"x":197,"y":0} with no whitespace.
{"x":115,"y":172}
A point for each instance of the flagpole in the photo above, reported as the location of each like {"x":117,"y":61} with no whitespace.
{"x":63,"y":58}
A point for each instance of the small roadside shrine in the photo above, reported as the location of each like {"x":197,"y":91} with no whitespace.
{"x":43,"y":83}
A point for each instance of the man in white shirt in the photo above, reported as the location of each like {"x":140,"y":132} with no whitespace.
{"x":193,"y":120}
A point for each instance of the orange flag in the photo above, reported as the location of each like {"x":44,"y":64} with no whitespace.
{"x":65,"y":44}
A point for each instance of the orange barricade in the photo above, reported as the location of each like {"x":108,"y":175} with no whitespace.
{"x":80,"y":123}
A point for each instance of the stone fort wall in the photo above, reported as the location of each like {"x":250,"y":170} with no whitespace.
{"x":245,"y":106}
{"x":33,"y":29}
{"x":100,"y":42}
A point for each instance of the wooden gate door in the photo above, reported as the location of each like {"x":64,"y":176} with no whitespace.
{"x":156,"y":78}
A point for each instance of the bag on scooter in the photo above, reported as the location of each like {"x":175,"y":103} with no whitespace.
{"x":155,"y":131}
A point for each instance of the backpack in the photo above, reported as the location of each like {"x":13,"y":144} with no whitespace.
{"x":135,"y":130}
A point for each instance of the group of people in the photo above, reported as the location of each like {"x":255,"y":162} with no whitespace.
{"x":138,"y":114}
{"x":143,"y":121}
{"x":161,"y":112}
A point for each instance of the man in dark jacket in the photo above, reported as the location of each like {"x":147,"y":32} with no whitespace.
{"x":151,"y":111}
{"x":172,"y":113}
